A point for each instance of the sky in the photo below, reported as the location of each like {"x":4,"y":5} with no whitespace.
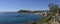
{"x":16,"y":5}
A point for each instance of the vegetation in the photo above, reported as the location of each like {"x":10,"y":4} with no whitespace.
{"x":24,"y":11}
{"x":49,"y":19}
{"x":45,"y":20}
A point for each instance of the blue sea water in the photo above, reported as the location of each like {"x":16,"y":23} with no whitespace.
{"x":16,"y":18}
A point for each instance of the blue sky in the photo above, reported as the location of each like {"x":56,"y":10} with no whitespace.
{"x":15,"y":5}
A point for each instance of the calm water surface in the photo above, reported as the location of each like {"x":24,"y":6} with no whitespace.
{"x":15,"y":18}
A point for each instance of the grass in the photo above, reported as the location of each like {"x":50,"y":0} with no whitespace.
{"x":46,"y":20}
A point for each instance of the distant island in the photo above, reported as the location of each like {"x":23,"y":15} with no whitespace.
{"x":42,"y":12}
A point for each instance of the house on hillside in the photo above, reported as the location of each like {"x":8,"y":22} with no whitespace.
{"x":43,"y":13}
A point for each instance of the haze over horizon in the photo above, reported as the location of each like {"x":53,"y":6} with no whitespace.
{"x":15,"y":5}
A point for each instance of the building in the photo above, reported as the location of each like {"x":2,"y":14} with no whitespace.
{"x":42,"y":13}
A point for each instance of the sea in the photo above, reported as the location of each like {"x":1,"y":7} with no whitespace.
{"x":18,"y":18}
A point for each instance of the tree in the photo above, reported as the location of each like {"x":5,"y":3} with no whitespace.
{"x":53,"y":8}
{"x":24,"y":11}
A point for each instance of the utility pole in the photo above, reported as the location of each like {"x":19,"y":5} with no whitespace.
{"x":58,"y":16}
